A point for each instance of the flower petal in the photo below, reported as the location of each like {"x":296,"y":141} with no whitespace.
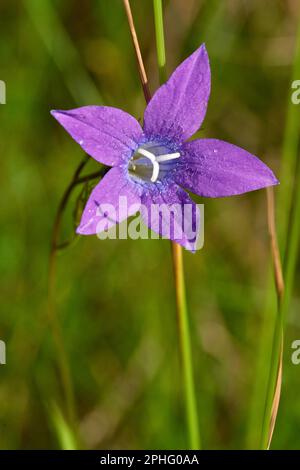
{"x":107,"y":134}
{"x":170,"y":212}
{"x":213,"y":168}
{"x":114,"y":199}
{"x":178,"y":107}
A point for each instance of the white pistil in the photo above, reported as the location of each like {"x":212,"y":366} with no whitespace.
{"x":151,"y":156}
{"x":155,"y":160}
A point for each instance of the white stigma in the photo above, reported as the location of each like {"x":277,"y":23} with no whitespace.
{"x":156,"y":160}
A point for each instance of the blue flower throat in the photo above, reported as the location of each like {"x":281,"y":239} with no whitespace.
{"x":152,"y":161}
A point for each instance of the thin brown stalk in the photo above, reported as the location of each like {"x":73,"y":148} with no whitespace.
{"x":139,"y":58}
{"x":279,"y":283}
{"x":277,"y":395}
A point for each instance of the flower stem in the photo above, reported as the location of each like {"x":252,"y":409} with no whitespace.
{"x":185,"y":350}
{"x":182,"y":313}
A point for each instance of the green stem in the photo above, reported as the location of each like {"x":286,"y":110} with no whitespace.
{"x":186,"y":350}
{"x":160,"y":40}
{"x":182,"y":314}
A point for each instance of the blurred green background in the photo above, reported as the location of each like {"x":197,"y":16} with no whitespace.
{"x":114,"y":300}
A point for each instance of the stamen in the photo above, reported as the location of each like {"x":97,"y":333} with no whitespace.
{"x":167,"y":156}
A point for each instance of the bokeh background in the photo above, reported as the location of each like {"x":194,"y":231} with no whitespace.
{"x":113,"y":307}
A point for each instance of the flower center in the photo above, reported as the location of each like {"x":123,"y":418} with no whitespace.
{"x":152,"y":161}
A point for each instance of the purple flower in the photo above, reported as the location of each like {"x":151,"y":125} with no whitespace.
{"x":152,"y":165}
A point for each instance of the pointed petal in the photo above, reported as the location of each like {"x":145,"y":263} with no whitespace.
{"x":177,"y":109}
{"x":213,"y":168}
{"x":107,"y":134}
{"x":114,"y":199}
{"x":171,"y":213}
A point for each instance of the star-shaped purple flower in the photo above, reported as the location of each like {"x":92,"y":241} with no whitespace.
{"x":152,"y":165}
